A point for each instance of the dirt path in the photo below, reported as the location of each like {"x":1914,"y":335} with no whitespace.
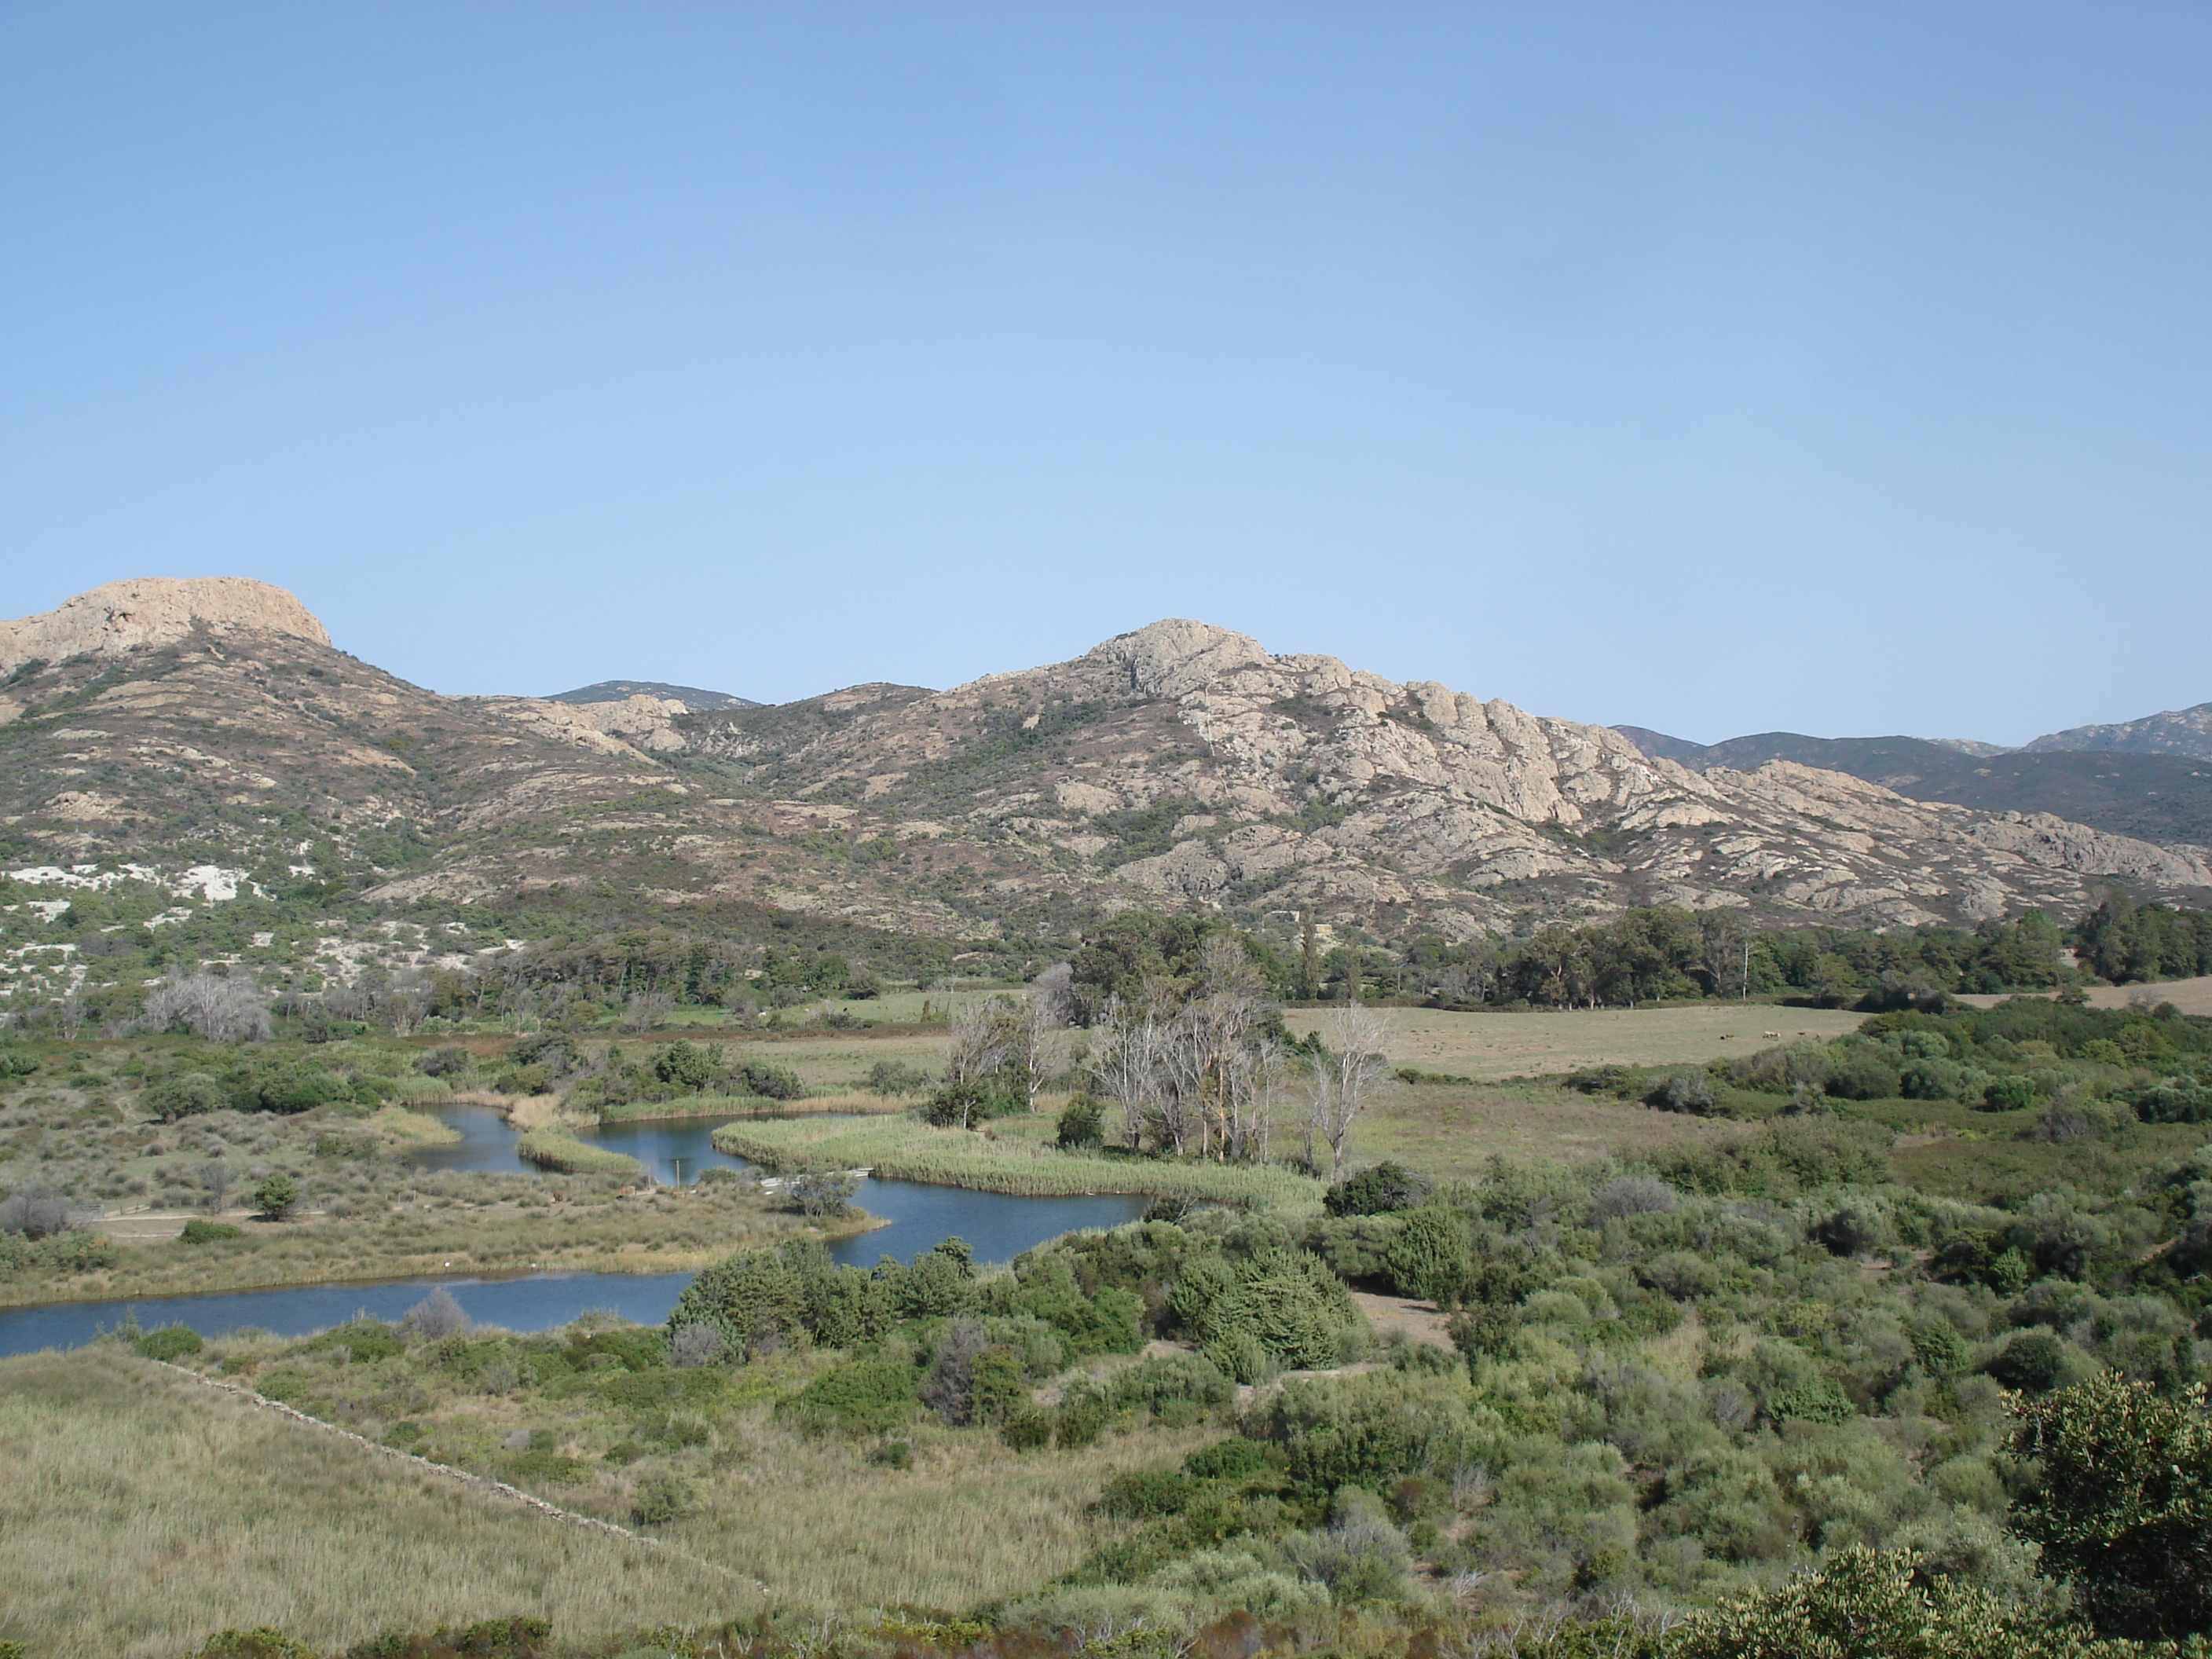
{"x":1420,"y":1321}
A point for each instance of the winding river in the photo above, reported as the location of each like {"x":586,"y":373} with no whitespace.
{"x":999,"y":1225}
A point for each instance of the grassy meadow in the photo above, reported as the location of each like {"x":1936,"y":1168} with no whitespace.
{"x":1487,"y":1047}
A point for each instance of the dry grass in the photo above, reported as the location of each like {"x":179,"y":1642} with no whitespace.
{"x":1451,"y":1131}
{"x":970,"y":1521}
{"x":142,"y":1511}
{"x":1489,"y":1046}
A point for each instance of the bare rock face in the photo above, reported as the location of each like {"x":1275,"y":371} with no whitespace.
{"x":116,"y":618}
{"x":637,"y":723}
{"x":1187,"y":762}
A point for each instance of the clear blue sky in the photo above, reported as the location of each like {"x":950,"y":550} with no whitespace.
{"x":1841,"y":369}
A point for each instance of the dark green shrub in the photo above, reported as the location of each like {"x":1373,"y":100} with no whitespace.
{"x":277,"y":1197}
{"x":2121,"y":1505}
{"x":1386,"y":1187}
{"x":1143,"y":1494}
{"x":762,"y":1077}
{"x":1234,"y":1459}
{"x":2032,"y":1363}
{"x":683,"y":1065}
{"x":2008,"y":1094}
{"x":170,"y":1342}
{"x":208,"y":1232}
{"x":1430,"y":1257}
{"x":187,"y":1095}
{"x":444,"y":1062}
{"x":1849,"y":1232}
{"x":1861,"y":1072}
{"x":1082,"y":1124}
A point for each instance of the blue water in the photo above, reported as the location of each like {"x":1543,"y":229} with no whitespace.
{"x":999,"y":1226}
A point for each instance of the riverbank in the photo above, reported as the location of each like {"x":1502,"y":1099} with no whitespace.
{"x":661,"y":1229}
{"x":1015,"y":1158}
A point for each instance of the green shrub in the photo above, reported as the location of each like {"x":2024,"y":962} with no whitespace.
{"x":170,"y":1342}
{"x":1176,"y":1389}
{"x":188,"y":1095}
{"x":208,"y":1232}
{"x":1234,"y":1459}
{"x":865,"y":1396}
{"x":2123,"y":1502}
{"x":659,"y":1499}
{"x":260,"y":1643}
{"x":1688,"y":1090}
{"x":1029,"y":1429}
{"x":1080,"y":1421}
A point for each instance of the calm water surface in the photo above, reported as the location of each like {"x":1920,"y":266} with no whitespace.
{"x":999,"y":1225}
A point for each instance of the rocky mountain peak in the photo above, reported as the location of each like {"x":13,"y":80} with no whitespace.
{"x":151,"y":612}
{"x":1174,"y":656}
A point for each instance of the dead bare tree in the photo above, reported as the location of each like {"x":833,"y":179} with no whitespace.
{"x":222,"y":1008}
{"x":1126,"y":1064}
{"x":1342,"y":1079}
{"x":1038,"y":1042}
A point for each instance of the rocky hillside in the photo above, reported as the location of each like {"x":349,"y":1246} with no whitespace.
{"x":212,"y":724}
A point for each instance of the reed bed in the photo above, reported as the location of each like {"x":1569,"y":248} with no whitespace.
{"x":144,"y":1511}
{"x":554,"y":1149}
{"x":843,"y":1104}
{"x":905,"y":1150}
{"x":661,"y":1230}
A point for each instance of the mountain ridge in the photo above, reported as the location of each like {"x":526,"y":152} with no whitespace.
{"x":1180,"y":764}
{"x":2161,"y":798}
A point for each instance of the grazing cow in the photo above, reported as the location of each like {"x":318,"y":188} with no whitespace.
{"x":1777,"y":1035}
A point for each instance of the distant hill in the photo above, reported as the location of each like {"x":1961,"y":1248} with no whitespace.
{"x":2177,"y":732}
{"x":2158,"y":797}
{"x":1660,"y":746}
{"x":690,"y":695}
